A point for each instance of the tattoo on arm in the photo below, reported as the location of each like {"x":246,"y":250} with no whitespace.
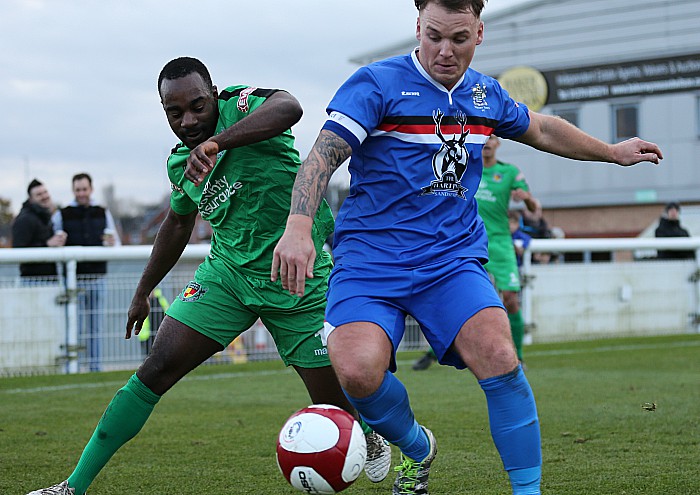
{"x":328,"y":153}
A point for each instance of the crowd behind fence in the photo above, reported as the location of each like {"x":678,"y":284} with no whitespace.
{"x":628,"y":295}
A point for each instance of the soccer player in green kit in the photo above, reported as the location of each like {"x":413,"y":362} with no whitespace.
{"x":501,"y":182}
{"x":235,"y":165}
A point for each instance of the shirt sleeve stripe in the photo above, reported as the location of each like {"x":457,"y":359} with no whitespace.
{"x":343,"y":133}
{"x":356,"y":129}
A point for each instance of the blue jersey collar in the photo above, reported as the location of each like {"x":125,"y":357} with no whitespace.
{"x":424,"y":73}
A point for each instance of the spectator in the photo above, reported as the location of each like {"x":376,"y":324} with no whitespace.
{"x":32,"y":228}
{"x":87,"y":224}
{"x":670,"y":226}
{"x":521,"y":240}
{"x":534,"y":225}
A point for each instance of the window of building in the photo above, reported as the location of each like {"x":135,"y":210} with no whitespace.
{"x":625,"y":121}
{"x":570,"y":114}
{"x":697,"y":117}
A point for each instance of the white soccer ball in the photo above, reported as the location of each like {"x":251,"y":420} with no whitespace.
{"x":321,"y":449}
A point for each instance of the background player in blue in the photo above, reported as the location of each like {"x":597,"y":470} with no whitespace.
{"x":408,"y":238}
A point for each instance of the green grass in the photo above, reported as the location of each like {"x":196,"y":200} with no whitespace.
{"x":215,"y":432}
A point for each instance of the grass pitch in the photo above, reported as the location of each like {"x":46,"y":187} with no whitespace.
{"x":618,"y":417}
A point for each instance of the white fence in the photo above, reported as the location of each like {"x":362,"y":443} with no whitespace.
{"x":561,"y":301}
{"x":626,"y":296}
{"x":39,"y":327}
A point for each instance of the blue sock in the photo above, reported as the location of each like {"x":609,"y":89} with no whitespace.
{"x":389,"y":413}
{"x":515,"y":429}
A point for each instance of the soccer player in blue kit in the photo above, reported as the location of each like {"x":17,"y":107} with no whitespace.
{"x":408,"y":238}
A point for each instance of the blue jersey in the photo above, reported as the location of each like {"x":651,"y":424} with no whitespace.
{"x":416,"y":162}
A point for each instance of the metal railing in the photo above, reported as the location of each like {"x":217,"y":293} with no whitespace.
{"x":40,"y":325}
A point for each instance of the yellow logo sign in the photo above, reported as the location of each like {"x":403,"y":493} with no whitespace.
{"x":526,"y":85}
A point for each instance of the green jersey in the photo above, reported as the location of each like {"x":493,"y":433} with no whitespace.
{"x":493,"y":196}
{"x":246,"y":197}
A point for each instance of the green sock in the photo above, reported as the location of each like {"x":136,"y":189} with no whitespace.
{"x":121,"y":421}
{"x":517,"y":330}
{"x":365,"y":427}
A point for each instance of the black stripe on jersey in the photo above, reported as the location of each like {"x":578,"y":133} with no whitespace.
{"x":446,"y":120}
{"x":263,"y":93}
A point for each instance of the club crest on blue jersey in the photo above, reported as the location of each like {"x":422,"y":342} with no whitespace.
{"x":450,"y":161}
{"x":479,"y":97}
{"x":192,"y":292}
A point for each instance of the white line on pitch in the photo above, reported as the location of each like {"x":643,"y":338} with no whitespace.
{"x":631,"y":347}
{"x":219,"y":376}
{"x":74,"y":386}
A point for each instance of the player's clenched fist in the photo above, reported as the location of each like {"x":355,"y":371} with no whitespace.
{"x":201,"y":161}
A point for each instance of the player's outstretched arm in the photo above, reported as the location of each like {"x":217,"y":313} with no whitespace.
{"x":170,"y":242}
{"x":555,"y":135}
{"x":294,"y":254}
{"x":277,"y":113}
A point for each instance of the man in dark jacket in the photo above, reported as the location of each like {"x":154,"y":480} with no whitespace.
{"x":33,"y":228}
{"x":670,"y":226}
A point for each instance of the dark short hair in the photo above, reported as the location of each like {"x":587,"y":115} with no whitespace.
{"x":82,"y":176}
{"x":34,"y":183}
{"x":181,"y":67}
{"x":672,"y":205}
{"x":474,"y":6}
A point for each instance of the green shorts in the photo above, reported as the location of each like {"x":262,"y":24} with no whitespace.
{"x":502,"y":265}
{"x":221,"y":303}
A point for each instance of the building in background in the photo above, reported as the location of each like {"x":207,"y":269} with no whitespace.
{"x":616,"y":70}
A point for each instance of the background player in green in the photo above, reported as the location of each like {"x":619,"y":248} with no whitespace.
{"x":501,"y":182}
{"x":235,"y":165}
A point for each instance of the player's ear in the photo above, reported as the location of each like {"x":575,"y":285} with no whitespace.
{"x":418,"y":28}
{"x":214,"y":91}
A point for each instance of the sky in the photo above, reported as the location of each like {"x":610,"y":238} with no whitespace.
{"x":78,"y":77}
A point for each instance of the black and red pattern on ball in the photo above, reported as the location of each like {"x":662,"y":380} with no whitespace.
{"x":327,"y":463}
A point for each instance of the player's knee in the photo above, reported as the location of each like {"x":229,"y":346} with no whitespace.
{"x":352,"y":378}
{"x":487,"y":347}
{"x":159,"y":372}
{"x":360,"y":371}
{"x":502,"y":355}
{"x":493,"y":360}
{"x":510,"y":301}
{"x":152,"y":380}
{"x":359,"y":381}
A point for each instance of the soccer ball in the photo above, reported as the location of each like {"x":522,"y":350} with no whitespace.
{"x":321,"y":449}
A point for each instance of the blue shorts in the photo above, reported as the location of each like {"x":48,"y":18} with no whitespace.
{"x":441,"y":297}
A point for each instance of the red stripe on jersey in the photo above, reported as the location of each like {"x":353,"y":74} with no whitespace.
{"x":430,"y":129}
